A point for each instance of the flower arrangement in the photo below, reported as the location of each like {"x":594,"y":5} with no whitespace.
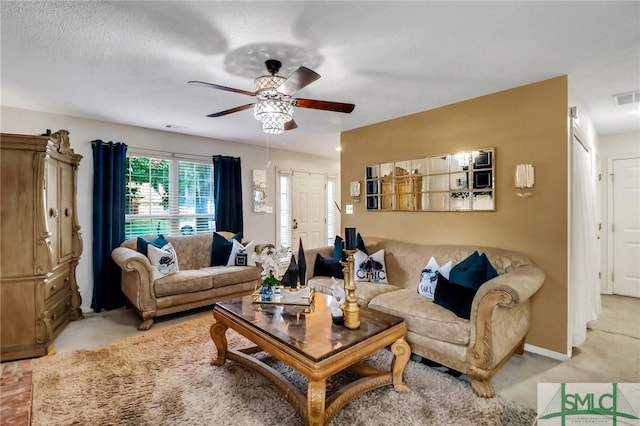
{"x":269,"y":258}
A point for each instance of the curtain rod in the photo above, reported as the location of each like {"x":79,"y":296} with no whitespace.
{"x":168,"y":153}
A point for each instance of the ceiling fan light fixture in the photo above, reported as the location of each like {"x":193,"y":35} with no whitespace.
{"x":273,"y":114}
{"x":268,"y":83}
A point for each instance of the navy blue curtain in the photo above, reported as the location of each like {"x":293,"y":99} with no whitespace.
{"x":227,"y":188}
{"x":109,"y":187}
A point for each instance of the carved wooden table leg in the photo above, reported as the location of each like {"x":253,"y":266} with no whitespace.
{"x":316,"y":393}
{"x":218,"y":335}
{"x":401,"y":353}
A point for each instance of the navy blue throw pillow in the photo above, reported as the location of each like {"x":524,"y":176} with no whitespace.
{"x":142,"y":244}
{"x":360,"y":244}
{"x":327,"y":267}
{"x":474,"y":271}
{"x":338,"y":246}
{"x":454,"y":297}
{"x":221,"y":249}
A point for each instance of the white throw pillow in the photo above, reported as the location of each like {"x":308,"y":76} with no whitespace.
{"x":370,"y":268}
{"x":429,"y":277}
{"x":164,"y":260}
{"x":239,"y":249}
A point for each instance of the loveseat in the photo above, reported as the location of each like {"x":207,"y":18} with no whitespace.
{"x":194,"y":285}
{"x":499,"y":317}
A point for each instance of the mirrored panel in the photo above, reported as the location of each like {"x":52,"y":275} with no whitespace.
{"x":461,"y":181}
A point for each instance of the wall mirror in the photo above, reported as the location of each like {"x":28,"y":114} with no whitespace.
{"x":461,"y":181}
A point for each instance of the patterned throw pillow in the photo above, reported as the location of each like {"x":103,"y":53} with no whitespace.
{"x":241,"y":254}
{"x":370,"y":268}
{"x":164,"y":260}
{"x":429,"y":277}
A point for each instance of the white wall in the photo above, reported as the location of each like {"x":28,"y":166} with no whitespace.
{"x":614,"y":146}
{"x":259,"y":226}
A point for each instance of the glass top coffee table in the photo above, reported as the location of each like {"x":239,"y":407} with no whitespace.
{"x":305,"y":338}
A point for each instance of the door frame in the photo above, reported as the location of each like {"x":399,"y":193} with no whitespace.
{"x":610,"y":237}
{"x":290,"y":173}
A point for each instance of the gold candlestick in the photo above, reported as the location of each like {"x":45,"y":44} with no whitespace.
{"x":351,"y":309}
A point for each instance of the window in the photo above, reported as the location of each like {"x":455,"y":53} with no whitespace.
{"x":285,"y":210}
{"x":331,"y":210}
{"x":168,"y":196}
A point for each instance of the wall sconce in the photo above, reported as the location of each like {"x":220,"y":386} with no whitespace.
{"x":354,"y":191}
{"x":524,"y":179}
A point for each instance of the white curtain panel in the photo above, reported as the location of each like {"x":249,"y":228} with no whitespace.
{"x":584,"y":288}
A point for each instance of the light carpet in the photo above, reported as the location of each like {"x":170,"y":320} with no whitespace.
{"x":163,"y":377}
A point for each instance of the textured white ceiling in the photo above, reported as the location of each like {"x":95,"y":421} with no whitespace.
{"x":128,"y":62}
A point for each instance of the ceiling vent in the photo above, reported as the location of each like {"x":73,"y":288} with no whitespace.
{"x":627,"y":98}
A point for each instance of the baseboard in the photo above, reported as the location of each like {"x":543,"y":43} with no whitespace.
{"x":546,"y":352}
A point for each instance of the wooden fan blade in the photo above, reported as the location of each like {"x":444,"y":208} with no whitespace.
{"x":230,"y":111}
{"x":302,"y":77}
{"x":217,"y":86}
{"x":324,"y":105}
{"x":290,"y":125}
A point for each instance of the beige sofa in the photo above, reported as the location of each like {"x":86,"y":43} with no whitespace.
{"x":500,"y":316}
{"x":196,"y":283}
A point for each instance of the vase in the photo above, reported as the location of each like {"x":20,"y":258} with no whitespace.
{"x":266,"y":293}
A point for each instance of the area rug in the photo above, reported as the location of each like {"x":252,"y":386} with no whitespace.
{"x":163,"y":377}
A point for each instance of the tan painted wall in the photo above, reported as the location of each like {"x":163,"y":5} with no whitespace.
{"x":526,"y":124}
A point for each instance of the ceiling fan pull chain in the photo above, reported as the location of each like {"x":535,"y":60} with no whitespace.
{"x":268,"y":156}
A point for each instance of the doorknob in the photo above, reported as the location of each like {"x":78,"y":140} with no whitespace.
{"x":295,"y":224}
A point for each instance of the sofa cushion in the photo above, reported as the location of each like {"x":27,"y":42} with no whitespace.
{"x":222,"y":276}
{"x":429,"y":277}
{"x":370,"y":268}
{"x":187,"y":281}
{"x":473,"y":271}
{"x":423,"y":317}
{"x":457,"y":298}
{"x":327,"y":267}
{"x":366,"y":291}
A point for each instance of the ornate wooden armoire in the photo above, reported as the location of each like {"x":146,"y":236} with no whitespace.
{"x":40,"y":242}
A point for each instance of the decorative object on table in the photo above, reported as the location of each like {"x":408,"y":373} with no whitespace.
{"x":266,"y":292}
{"x":337,"y":291}
{"x":290,"y":278}
{"x":286,"y":296}
{"x":269,"y":260}
{"x":302,"y":265}
{"x":350,"y":238}
{"x":351,"y":309}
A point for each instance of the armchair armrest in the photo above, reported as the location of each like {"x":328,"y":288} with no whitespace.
{"x":500,"y":315}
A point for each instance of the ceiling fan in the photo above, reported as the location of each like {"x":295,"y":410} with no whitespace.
{"x":274,"y":106}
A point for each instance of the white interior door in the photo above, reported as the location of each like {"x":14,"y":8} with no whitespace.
{"x":309,"y":211}
{"x":626,"y":227}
